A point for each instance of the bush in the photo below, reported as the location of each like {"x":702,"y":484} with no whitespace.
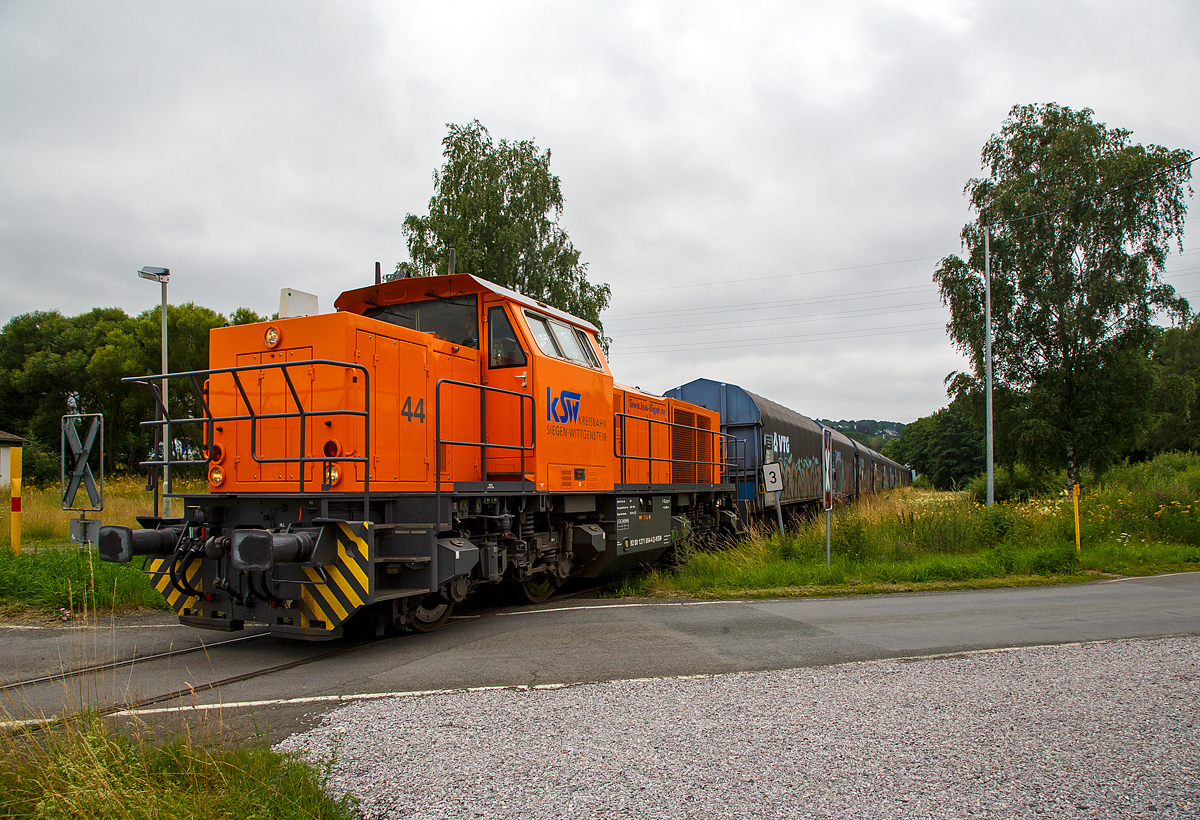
{"x":1018,"y":484}
{"x":39,"y":466}
{"x":1055,"y":559}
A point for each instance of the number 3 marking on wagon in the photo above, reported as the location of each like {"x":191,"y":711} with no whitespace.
{"x":410,"y":413}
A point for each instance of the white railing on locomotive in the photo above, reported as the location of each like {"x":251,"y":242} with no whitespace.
{"x":209,"y":420}
{"x":721,"y":466}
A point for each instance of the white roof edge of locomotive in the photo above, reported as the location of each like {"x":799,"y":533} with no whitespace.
{"x":542,"y":307}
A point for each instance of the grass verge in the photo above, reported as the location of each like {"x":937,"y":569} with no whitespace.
{"x":91,"y":769}
{"x":54,"y":576}
{"x":1141,"y":520}
{"x":57,"y":579}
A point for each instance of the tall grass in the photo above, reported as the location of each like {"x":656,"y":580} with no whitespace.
{"x":91,"y":769}
{"x":67,"y":580}
{"x":53,"y":575}
{"x":1141,"y":519}
{"x":44,"y":521}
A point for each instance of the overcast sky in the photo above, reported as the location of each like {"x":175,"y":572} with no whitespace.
{"x":767,"y":187}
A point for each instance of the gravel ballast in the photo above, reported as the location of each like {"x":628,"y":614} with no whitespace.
{"x":1097,"y":730}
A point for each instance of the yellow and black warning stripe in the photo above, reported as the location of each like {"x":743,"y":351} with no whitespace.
{"x":160,"y":577}
{"x":339,"y":589}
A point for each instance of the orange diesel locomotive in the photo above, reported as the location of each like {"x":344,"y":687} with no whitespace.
{"x":432,"y":435}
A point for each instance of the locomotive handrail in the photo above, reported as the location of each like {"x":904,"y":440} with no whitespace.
{"x":209,"y":420}
{"x":721,"y":466}
{"x":483,"y":443}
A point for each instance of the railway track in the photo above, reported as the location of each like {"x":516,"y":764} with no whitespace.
{"x":152,"y":665}
{"x":93,"y":669}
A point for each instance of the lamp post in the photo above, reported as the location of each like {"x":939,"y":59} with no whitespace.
{"x":987,"y":333}
{"x":161,"y":275}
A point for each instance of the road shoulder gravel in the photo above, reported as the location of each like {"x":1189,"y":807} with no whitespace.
{"x":1105,"y":729}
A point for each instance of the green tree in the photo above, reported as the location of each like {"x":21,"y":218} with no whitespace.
{"x":498,"y":206}
{"x":1081,"y":221}
{"x":245,"y":316}
{"x":1176,"y":401}
{"x":51,"y":365}
{"x":946,"y":446}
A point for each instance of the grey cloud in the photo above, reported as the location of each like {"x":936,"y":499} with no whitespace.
{"x":255,"y":146}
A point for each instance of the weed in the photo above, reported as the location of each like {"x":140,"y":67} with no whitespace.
{"x":90,"y":768}
{"x":52,"y":575}
{"x":1140,"y":519}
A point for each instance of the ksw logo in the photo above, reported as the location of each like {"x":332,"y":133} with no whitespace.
{"x":563,"y":408}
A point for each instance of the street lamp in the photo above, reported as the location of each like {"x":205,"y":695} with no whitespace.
{"x":987,"y":335}
{"x":161,"y":275}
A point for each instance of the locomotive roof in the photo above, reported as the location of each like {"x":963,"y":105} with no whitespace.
{"x":457,"y":284}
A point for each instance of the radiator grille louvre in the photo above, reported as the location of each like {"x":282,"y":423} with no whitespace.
{"x":683,"y":450}
{"x":704,"y":451}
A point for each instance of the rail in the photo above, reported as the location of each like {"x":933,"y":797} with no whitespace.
{"x":209,"y":420}
{"x":483,"y":444}
{"x":729,"y":464}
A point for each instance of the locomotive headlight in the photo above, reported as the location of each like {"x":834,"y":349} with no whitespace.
{"x":334,"y":474}
{"x":216,"y":475}
{"x":271,"y":337}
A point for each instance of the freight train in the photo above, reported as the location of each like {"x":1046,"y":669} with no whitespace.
{"x":771,"y":433}
{"x":434,"y":435}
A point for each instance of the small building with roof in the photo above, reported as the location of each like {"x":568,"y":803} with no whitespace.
{"x":7,"y":442}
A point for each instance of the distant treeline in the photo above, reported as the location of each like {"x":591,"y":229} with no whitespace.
{"x":51,"y":365}
{"x":870,"y":432}
{"x":948,"y":447}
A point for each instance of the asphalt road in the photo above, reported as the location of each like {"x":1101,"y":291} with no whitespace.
{"x":578,"y":642}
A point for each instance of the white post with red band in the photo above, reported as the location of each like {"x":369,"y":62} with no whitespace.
{"x":827,"y":480}
{"x":14,"y":463}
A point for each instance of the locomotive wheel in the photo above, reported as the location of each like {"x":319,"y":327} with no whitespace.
{"x":538,"y":589}
{"x":429,"y":613}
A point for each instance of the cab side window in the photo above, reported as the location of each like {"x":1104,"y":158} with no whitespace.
{"x":503,"y":348}
{"x":562,"y":341}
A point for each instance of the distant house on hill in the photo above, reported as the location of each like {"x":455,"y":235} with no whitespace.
{"x":7,"y":442}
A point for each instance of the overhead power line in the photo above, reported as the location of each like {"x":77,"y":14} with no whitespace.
{"x":781,"y":340}
{"x":783,"y":275}
{"x":663,"y":330}
{"x":761,"y":304}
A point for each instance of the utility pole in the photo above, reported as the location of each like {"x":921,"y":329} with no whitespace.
{"x":987,"y":333}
